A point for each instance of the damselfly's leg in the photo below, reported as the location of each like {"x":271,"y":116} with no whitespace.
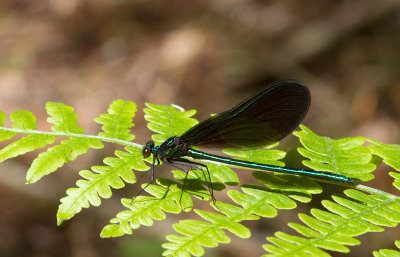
{"x":194,"y":165}
{"x":151,"y":178}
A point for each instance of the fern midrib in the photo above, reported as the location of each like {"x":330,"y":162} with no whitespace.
{"x":313,"y":242}
{"x":62,"y":134}
{"x":331,"y":154}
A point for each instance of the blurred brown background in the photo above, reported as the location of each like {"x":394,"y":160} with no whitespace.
{"x":206,"y":55}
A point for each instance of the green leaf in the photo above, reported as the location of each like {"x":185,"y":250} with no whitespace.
{"x":24,"y":145}
{"x":351,"y":215}
{"x":396,"y":177}
{"x":255,"y":201}
{"x":22,"y":120}
{"x":2,"y":118}
{"x":118,"y":121}
{"x":168,"y":121}
{"x":224,"y":173}
{"x":284,"y":241}
{"x":98,"y":182}
{"x":296,"y":187}
{"x":271,"y":157}
{"x":264,"y":201}
{"x":63,"y":118}
{"x":197,"y":234}
{"x":4,"y":134}
{"x":56,"y":156}
{"x":64,"y":121}
{"x":333,"y":228}
{"x":345,"y":156}
{"x":25,"y":121}
{"x":143,"y":210}
{"x":389,"y":153}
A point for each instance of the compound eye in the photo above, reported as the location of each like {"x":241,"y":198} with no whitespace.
{"x":146,"y":152}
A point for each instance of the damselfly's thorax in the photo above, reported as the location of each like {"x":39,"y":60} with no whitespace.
{"x":172,"y":148}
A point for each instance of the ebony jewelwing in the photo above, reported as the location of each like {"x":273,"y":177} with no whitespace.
{"x":261,"y":119}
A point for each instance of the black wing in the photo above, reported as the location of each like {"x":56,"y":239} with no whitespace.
{"x":264,"y":118}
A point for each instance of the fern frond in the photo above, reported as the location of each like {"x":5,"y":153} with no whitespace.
{"x":388,"y":252}
{"x":63,"y":118}
{"x":333,"y":229}
{"x":65,"y":121}
{"x":351,"y":215}
{"x":118,"y":121}
{"x":197,"y":234}
{"x":144,"y":209}
{"x":333,"y":155}
{"x":396,"y":182}
{"x":389,"y":153}
{"x":255,"y":202}
{"x":345,"y":156}
{"x":296,"y":187}
{"x":168,"y":121}
{"x":98,"y":182}
{"x":272,"y":156}
{"x":23,"y":121}
{"x":227,"y":176}
{"x":166,"y":197}
{"x":5,"y":134}
{"x":56,"y":156}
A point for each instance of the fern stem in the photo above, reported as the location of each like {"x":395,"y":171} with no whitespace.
{"x":104,"y":139}
{"x":376,"y":191}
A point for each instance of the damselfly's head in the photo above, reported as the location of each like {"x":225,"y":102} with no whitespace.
{"x":148,"y":149}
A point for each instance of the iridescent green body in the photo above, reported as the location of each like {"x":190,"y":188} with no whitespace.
{"x":259,"y":166}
